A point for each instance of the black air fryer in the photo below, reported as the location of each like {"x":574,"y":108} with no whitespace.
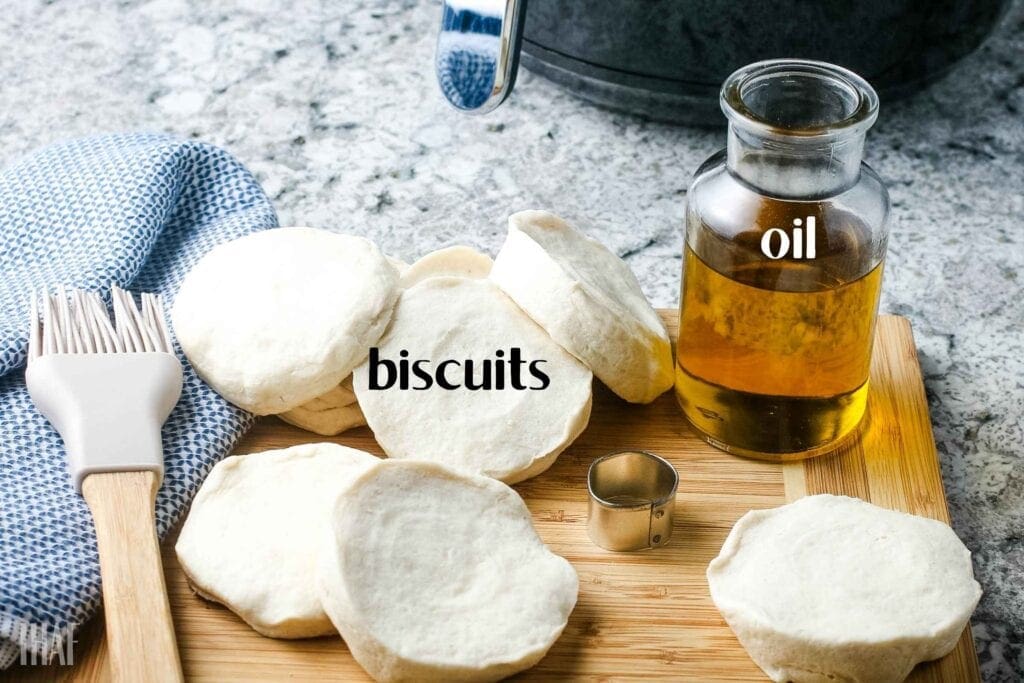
{"x":666,"y":59}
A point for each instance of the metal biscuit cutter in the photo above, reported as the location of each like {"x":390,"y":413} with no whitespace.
{"x":632,"y":499}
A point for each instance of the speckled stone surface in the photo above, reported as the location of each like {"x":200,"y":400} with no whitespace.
{"x":334,"y":107}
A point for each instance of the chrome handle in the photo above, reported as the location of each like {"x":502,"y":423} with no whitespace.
{"x":478,"y":52}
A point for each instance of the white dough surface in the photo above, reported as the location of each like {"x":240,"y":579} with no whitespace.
{"x":507,"y":434}
{"x":589,"y":301}
{"x":457,"y":261}
{"x":432,"y":575}
{"x":329,"y":414}
{"x":251,"y":538}
{"x":835,"y":588}
{"x":276,"y":318}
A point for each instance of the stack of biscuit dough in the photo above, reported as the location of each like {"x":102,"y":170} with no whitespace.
{"x":425,"y":562}
{"x":338,"y":410}
{"x":429,"y":574}
{"x":282,"y":322}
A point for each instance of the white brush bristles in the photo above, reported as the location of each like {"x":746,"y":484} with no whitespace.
{"x":78,"y":322}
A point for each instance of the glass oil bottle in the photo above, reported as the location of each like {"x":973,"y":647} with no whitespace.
{"x":786,"y":232}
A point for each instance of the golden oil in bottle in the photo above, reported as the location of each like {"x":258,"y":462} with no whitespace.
{"x":774,"y":370}
{"x":782,"y":266}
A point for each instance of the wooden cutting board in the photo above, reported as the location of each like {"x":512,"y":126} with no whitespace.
{"x":644,"y":615}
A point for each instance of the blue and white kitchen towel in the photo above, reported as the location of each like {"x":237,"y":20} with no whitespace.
{"x":136,"y":210}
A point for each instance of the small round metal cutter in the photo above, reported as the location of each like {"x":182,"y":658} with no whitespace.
{"x":632,"y":498}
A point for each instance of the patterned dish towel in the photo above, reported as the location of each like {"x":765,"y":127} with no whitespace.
{"x":136,"y":210}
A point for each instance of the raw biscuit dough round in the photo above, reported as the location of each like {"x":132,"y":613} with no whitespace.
{"x":507,"y":434}
{"x":432,"y":575}
{"x":251,"y":538}
{"x":589,"y":301}
{"x":458,"y":261}
{"x":276,"y":318}
{"x":834,"y":588}
{"x":330,"y":414}
{"x":337,"y":410}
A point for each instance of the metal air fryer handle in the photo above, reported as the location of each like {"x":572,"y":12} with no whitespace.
{"x":478,"y":52}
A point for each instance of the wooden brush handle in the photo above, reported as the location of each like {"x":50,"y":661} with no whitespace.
{"x":140,"y":632}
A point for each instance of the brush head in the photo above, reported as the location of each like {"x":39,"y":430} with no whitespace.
{"x":107,"y":387}
{"x":77,"y":322}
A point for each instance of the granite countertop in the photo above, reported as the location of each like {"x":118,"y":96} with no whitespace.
{"x":334,"y":107}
